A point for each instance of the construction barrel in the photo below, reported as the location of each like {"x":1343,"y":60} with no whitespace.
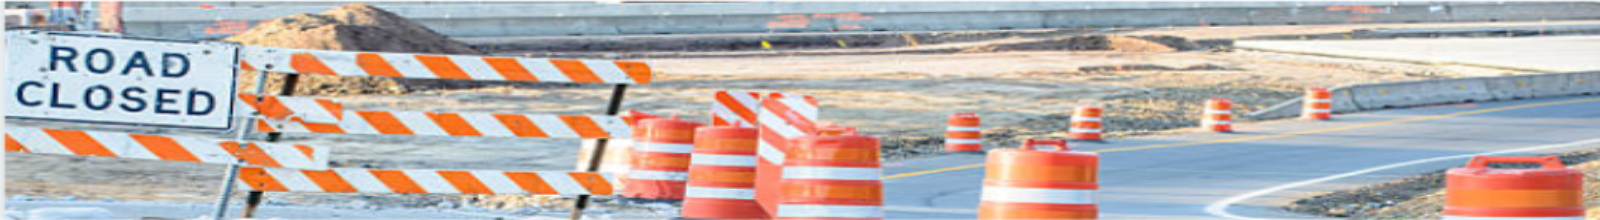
{"x":834,"y":177}
{"x":1218,"y":115}
{"x":963,"y":133}
{"x":1317,"y":105}
{"x":1086,"y":125}
{"x":1033,"y":183}
{"x":660,"y":160}
{"x":1479,"y":192}
{"x":722,"y":174}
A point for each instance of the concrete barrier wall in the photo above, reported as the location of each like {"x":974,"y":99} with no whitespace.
{"x":1376,"y":96}
{"x":479,"y":19}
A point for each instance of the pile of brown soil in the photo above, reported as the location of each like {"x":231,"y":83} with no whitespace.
{"x":1097,"y":42}
{"x":354,"y":27}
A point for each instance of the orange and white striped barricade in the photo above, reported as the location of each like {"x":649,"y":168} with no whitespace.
{"x":832,"y":177}
{"x":1218,"y":115}
{"x":458,"y":124}
{"x":1477,"y":192}
{"x":342,"y":180}
{"x":660,"y":162}
{"x":782,"y":117}
{"x":314,"y":110}
{"x":963,"y":133}
{"x":735,"y":107}
{"x":426,"y":66}
{"x":722,"y":175}
{"x":1086,"y":125}
{"x":1317,"y":105}
{"x":1031,"y":183}
{"x":159,"y":147}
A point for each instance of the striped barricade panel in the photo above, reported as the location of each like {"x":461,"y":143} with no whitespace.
{"x":735,"y":107}
{"x":459,"y":124}
{"x":158,"y":147}
{"x":287,"y":108}
{"x":782,"y":117}
{"x":426,"y":66}
{"x":428,"y":181}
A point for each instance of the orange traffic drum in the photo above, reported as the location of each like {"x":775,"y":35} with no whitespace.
{"x":722,"y":174}
{"x":660,"y":161}
{"x":1032,"y":183}
{"x":963,"y":134}
{"x":1549,"y":193}
{"x":832,"y":177}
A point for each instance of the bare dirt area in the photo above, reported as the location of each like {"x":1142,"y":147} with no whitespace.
{"x":1422,"y":196}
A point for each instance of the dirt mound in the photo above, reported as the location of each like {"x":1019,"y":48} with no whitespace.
{"x":354,"y":27}
{"x":1097,"y":43}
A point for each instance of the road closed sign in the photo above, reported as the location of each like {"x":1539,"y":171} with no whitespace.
{"x":109,"y":80}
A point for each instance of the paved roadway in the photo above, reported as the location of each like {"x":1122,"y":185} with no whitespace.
{"x":1545,"y":54}
{"x":1179,"y":176}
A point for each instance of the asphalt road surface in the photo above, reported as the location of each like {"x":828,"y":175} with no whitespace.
{"x":1252,"y":173}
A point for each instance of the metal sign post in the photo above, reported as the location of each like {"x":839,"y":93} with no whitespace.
{"x":233,"y":169}
{"x":253,"y":200}
{"x":598,"y":154}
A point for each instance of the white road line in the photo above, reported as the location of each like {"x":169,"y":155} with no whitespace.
{"x":1220,"y":208}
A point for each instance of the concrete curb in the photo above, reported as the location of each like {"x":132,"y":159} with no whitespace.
{"x":1376,"y":96}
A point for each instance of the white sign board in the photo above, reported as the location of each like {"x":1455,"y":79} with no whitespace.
{"x":108,"y":80}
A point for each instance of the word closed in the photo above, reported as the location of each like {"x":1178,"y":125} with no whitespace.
{"x":111,"y":80}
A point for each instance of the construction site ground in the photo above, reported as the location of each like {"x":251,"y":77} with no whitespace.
{"x":902,"y":98}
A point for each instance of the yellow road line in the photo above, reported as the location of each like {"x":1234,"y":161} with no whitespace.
{"x":1263,"y":137}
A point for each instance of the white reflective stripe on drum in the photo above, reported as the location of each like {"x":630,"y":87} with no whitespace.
{"x":1321,"y":101}
{"x":643,"y":146}
{"x":1448,"y":217}
{"x":657,"y":175}
{"x":723,"y":160}
{"x":962,"y":141}
{"x":1084,"y":130}
{"x":1037,"y":195}
{"x":1319,"y":111}
{"x":1086,"y":119}
{"x":831,"y":173}
{"x":963,"y":128}
{"x":1218,"y":112}
{"x":719,"y":193}
{"x":1209,"y":122}
{"x":830,"y":211}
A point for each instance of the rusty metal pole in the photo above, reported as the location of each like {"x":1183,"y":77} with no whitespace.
{"x":598,"y":154}
{"x":233,"y":169}
{"x":253,"y":200}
